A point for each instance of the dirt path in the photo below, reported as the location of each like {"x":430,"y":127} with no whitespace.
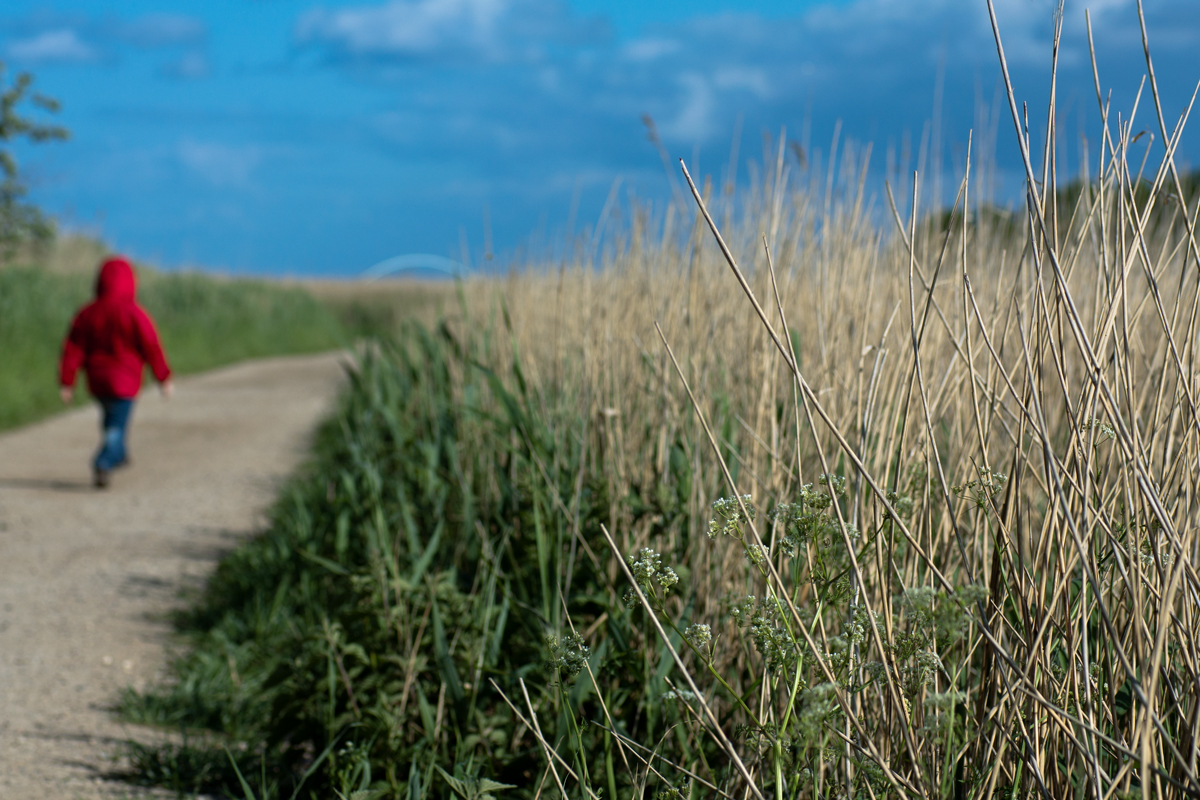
{"x":86,"y":576}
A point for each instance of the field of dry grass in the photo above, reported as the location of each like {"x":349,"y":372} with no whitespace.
{"x":1001,"y":597}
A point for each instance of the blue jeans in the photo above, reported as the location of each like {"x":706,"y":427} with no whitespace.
{"x":112,"y":427}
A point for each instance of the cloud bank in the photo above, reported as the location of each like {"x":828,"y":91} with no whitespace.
{"x":872,"y":63}
{"x":72,"y":39}
{"x":464,"y":32}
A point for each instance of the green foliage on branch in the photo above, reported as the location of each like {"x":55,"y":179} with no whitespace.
{"x":22,"y":224}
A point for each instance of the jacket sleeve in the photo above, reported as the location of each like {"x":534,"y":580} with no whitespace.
{"x":73,"y":354}
{"x":149,"y":346}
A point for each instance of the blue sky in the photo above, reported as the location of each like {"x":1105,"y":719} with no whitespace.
{"x":317,"y":138}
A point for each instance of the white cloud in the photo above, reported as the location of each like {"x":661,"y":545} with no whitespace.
{"x":61,"y":46}
{"x":695,"y":119}
{"x":189,"y":67}
{"x":550,"y":79}
{"x":463,"y":32}
{"x":411,"y":28}
{"x":750,"y":79}
{"x":221,"y":165}
{"x":162,"y":30}
{"x":651,"y":49}
{"x":78,"y":39}
{"x":860,"y":29}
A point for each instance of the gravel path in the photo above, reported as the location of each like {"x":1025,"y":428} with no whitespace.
{"x":87,"y":577}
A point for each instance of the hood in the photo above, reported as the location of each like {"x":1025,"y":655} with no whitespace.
{"x":116,"y":280}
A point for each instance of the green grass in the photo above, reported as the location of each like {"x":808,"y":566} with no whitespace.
{"x":398,"y":576}
{"x":204,"y":322}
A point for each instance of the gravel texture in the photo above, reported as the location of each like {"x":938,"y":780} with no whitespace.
{"x":88,"y":577}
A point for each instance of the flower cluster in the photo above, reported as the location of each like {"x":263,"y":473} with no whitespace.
{"x":699,"y":635}
{"x":1103,"y":429}
{"x":901,"y":502}
{"x":651,"y":575}
{"x":944,"y":615}
{"x":919,"y":602}
{"x":1166,"y":557}
{"x":808,"y":519}
{"x":760,"y":738}
{"x":728,"y":518}
{"x":836,"y":484}
{"x":757,"y":554}
{"x":920,"y":670}
{"x":741,"y":610}
{"x":771,"y":637}
{"x":679,"y":695}
{"x":857,"y":630}
{"x":982,"y":490}
{"x":568,"y":654}
{"x":874,"y":775}
{"x":945,"y":714}
{"x":932,"y":621}
{"x":843,"y":654}
{"x":670,"y":791}
{"x":645,"y":566}
{"x":818,"y":708}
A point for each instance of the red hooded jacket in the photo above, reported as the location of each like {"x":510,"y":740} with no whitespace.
{"x":112,"y":337}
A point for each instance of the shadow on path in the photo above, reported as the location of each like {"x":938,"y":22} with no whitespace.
{"x":45,"y":483}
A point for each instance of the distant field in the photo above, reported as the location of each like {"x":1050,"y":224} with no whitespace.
{"x":379,"y":307}
{"x":205,"y":320}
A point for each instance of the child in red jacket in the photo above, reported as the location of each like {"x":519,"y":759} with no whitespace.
{"x":112,"y":338}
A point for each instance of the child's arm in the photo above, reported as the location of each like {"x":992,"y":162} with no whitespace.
{"x":72,"y":359}
{"x":151,"y":350}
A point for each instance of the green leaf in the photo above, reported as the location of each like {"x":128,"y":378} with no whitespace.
{"x":332,"y":566}
{"x":489,"y":785}
{"x":441,"y":651}
{"x":245,"y":786}
{"x":458,"y":786}
{"x":474,"y":788}
{"x":427,"y":556}
{"x":366,"y":794}
{"x":425,"y":709}
{"x":312,"y":768}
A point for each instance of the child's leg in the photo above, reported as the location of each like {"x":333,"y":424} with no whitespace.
{"x":113,"y":425}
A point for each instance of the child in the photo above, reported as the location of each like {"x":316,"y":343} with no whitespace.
{"x":111,"y":338}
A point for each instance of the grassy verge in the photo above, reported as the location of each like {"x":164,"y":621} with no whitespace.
{"x":394,"y":564}
{"x":380,"y":308}
{"x":204,"y":322}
